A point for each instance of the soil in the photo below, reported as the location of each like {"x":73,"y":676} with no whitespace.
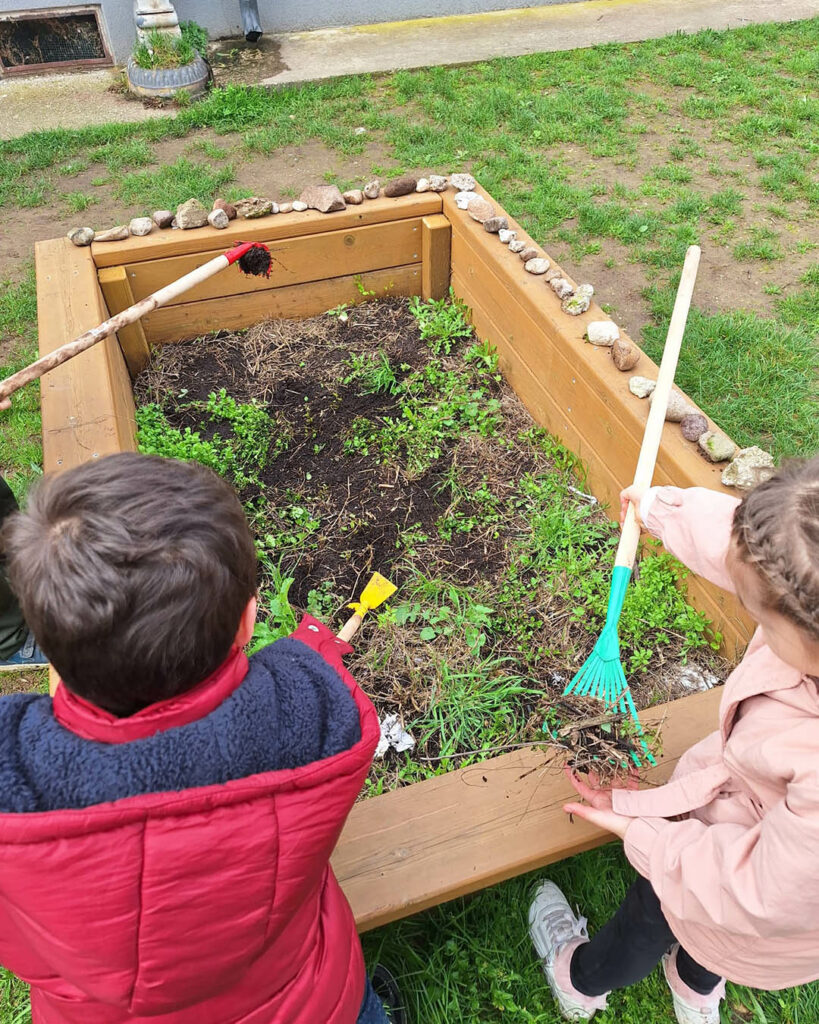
{"x":371,"y":513}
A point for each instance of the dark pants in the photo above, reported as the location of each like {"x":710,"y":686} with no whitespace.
{"x":630,"y":946}
{"x":13,"y":631}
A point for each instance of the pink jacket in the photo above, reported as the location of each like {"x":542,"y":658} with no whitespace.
{"x":204,"y":906}
{"x":738,"y":876}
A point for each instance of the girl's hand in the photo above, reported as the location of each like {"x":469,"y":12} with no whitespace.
{"x":633,"y":495}
{"x":597,"y":809}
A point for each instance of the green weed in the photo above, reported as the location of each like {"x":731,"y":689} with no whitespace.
{"x":442,"y":322}
{"x":79,"y":201}
{"x":276,"y":616}
{"x":244,"y":445}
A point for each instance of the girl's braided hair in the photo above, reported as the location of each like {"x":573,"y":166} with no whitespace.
{"x":776,"y":530}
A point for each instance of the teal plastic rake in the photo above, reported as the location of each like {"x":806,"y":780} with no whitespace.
{"x":602,"y":675}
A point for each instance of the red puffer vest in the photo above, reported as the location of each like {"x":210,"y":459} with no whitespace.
{"x":213,"y":905}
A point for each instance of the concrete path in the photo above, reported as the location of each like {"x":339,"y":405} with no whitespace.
{"x":74,"y":100}
{"x":68,"y":100}
{"x":462,"y":39}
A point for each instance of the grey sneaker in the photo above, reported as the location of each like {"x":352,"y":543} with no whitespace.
{"x":28,"y":656}
{"x":689,"y":1006}
{"x":556,"y":932}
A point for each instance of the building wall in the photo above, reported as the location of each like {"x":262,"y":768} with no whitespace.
{"x":222,"y":18}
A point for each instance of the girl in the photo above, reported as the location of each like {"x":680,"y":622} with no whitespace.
{"x":727,"y":850}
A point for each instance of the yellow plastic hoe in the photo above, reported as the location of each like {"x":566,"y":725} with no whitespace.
{"x":377,"y":590}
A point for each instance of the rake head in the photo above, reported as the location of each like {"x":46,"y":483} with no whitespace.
{"x":601,"y":674}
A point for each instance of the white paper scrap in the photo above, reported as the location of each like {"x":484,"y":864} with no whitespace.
{"x":393,"y":734}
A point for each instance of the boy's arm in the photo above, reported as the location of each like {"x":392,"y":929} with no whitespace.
{"x":694,"y":524}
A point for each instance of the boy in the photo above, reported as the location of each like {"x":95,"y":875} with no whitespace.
{"x":166,"y":822}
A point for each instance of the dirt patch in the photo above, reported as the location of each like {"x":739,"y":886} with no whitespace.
{"x":23,"y":682}
{"x":235,"y":61}
{"x":386,"y":456}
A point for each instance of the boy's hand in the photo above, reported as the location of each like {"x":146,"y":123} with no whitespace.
{"x":633,"y":495}
{"x":597,"y":809}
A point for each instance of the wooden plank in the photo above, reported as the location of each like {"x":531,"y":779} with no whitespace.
{"x":188,"y":320}
{"x":435,"y":260}
{"x":160,"y":244}
{"x":420,"y":846}
{"x":591,"y":408}
{"x":295,"y":261}
{"x":87,"y":406}
{"x":117,"y":293}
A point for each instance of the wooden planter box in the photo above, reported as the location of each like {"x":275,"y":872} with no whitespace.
{"x":457,"y":833}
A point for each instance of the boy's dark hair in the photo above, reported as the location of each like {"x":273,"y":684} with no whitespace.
{"x":132,"y":572}
{"x":776,"y":530}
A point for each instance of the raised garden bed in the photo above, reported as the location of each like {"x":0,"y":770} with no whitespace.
{"x":382,"y":437}
{"x":415,"y":245}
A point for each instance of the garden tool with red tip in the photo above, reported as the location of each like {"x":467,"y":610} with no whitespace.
{"x":253,"y":259}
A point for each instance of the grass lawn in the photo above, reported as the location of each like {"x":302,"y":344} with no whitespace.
{"x":615,"y":158}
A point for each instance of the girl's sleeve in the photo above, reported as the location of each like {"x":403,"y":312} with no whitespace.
{"x":752,"y":881}
{"x":694,"y":524}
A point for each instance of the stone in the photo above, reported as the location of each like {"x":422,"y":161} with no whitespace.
{"x":299,"y":206}
{"x":141,"y":226}
{"x":372,"y":190}
{"x":625,"y":355}
{"x":677,"y":406}
{"x":423,"y":185}
{"x":693,"y":425}
{"x":229,"y":208}
{"x":495,"y":225}
{"x":530,"y":252}
{"x":400,"y":186}
{"x":254,"y":207}
{"x":324,"y":198}
{"x":462,"y":182}
{"x":553,"y":273}
{"x":218,"y":219}
{"x":749,"y":467}
{"x":516,"y":245}
{"x":463,"y":199}
{"x":191,"y":214}
{"x":585,"y":289}
{"x":480,"y":209}
{"x":602,"y":332}
{"x":438,"y":183}
{"x":355,"y":197}
{"x":174,"y":225}
{"x":81,"y":236}
{"x":641,"y":386}
{"x":716,"y":446}
{"x":562,"y":288}
{"x":536,"y":266}
{"x":507,"y":236}
{"x":286,"y":208}
{"x":116,"y":234}
{"x":576,"y":304}
{"x":163,"y":218}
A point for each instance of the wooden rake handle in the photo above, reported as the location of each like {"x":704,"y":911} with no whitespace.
{"x":115,"y":323}
{"x":630,"y":533}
